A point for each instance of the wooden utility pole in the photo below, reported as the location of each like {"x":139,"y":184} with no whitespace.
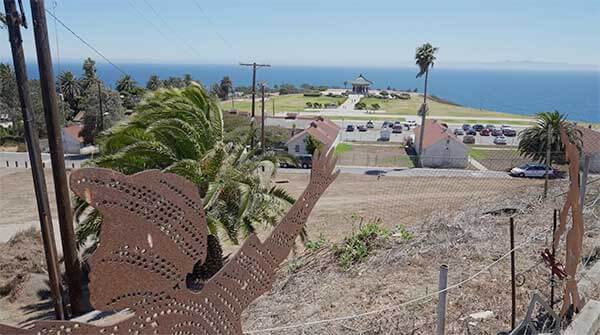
{"x":254,"y":66}
{"x":513,"y":286}
{"x":262,"y":117}
{"x":73,"y":271}
{"x":273,"y":107}
{"x":14,"y":20}
{"x":548,"y":161}
{"x":100,"y":106}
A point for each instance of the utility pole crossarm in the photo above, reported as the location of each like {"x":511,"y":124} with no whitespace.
{"x":254,"y":67}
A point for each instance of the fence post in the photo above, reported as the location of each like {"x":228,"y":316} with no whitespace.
{"x":16,"y":163}
{"x":441,"y":309}
{"x":513,"y":318}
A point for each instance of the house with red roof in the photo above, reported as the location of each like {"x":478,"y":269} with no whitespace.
{"x":72,"y":142}
{"x":441,"y":148}
{"x":323,"y":130}
{"x":591,"y":147}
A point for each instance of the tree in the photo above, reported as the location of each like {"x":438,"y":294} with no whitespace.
{"x":535,"y":141}
{"x":345,"y":85}
{"x":70,"y":87}
{"x":425,"y":57}
{"x":112,"y":110}
{"x":9,"y":97}
{"x":187,"y":79}
{"x":181,"y":131}
{"x":226,"y":88}
{"x":154,"y":83}
{"x":312,"y":144}
{"x":174,"y":82}
{"x":89,"y":74}
{"x":126,"y":84}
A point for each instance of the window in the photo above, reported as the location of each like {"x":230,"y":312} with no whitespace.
{"x":297,"y":149}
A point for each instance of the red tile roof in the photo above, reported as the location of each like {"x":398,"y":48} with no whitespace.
{"x":324,"y":130}
{"x":73,"y":131}
{"x":434,"y":132}
{"x":591,"y":141}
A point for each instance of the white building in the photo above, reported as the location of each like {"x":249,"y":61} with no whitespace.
{"x":325,"y":131}
{"x":441,"y":148}
{"x":591,"y":147}
{"x":72,"y":142}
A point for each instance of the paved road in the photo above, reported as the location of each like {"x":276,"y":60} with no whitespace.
{"x":405,"y":172}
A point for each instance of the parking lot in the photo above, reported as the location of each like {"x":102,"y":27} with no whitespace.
{"x":372,"y":135}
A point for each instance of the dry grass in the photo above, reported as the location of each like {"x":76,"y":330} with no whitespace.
{"x":462,"y":236}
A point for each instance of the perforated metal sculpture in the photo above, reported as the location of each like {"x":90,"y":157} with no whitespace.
{"x":575,"y":235}
{"x":153,"y":234}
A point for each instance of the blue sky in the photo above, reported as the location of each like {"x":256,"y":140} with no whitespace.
{"x":326,"y":32}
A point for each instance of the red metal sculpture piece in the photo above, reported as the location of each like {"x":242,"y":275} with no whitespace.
{"x":153,"y":233}
{"x":574,"y":239}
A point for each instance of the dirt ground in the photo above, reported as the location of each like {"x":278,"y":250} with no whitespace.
{"x":383,"y":155}
{"x":445,"y":215}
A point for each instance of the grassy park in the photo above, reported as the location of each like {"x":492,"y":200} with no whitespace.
{"x":283,"y":103}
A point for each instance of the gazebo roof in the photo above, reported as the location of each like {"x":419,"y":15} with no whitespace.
{"x":361,"y":80}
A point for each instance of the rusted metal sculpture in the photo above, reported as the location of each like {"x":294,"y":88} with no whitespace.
{"x":153,"y":234}
{"x":574,"y":239}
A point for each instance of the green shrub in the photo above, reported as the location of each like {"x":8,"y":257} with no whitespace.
{"x":312,"y":94}
{"x":403,"y":233}
{"x":360,"y":105}
{"x":356,"y":248}
{"x":375,"y":107}
{"x":309,"y":105}
{"x":318,"y":244}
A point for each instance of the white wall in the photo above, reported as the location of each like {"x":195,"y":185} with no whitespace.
{"x":301,"y":142}
{"x":446,"y":154}
{"x":70,"y":145}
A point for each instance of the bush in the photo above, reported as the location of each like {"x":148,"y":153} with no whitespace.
{"x":375,"y":107}
{"x":384,"y":93}
{"x":360,"y":106}
{"x":312,"y":94}
{"x":358,"y":247}
{"x":309,"y":105}
{"x":316,"y":245}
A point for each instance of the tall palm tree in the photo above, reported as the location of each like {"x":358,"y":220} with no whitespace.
{"x":70,"y":87}
{"x":535,"y":141}
{"x":424,"y":57}
{"x":181,"y":131}
{"x":126,"y":84}
{"x":154,"y":83}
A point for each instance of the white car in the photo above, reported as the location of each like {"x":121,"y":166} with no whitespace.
{"x":500,"y":140}
{"x":410,"y":123}
{"x":531,"y":170}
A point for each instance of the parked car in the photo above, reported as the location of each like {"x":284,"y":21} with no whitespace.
{"x":478,"y":127}
{"x":397,"y":129}
{"x":496,"y":132}
{"x":303,"y":161}
{"x":509,"y":132}
{"x":362,"y":128}
{"x":387,"y":124}
{"x":458,"y":131}
{"x":397,"y":123}
{"x":466,"y":127}
{"x":410,"y":123}
{"x":532,"y":170}
{"x":490,"y":126}
{"x":500,"y":140}
{"x":384,"y":134}
{"x":349,"y":128}
{"x":469,"y":139}
{"x":471,"y":132}
{"x":485,"y":132}
{"x":370,"y":124}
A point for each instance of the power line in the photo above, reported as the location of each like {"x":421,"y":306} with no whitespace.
{"x":85,"y":42}
{"x":166,"y":24}
{"x":213,"y":24}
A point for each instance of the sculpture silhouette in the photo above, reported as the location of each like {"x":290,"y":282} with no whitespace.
{"x":575,"y":235}
{"x":154,"y":232}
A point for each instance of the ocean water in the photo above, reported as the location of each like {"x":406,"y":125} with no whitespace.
{"x":575,"y":93}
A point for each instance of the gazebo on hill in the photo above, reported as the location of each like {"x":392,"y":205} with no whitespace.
{"x":360,"y":85}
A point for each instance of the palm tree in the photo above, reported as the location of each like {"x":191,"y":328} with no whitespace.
{"x":425,"y":56}
{"x":225,"y":87}
{"x":126,"y":84}
{"x":181,"y":131}
{"x":71,"y":89}
{"x":535,"y":141}
{"x":187,"y":79}
{"x":154,"y":83}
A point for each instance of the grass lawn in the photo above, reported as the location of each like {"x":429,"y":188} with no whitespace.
{"x":411,"y":106}
{"x":343,"y":148}
{"x":283,"y":103}
{"x":373,"y":155}
{"x":498,"y":159}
